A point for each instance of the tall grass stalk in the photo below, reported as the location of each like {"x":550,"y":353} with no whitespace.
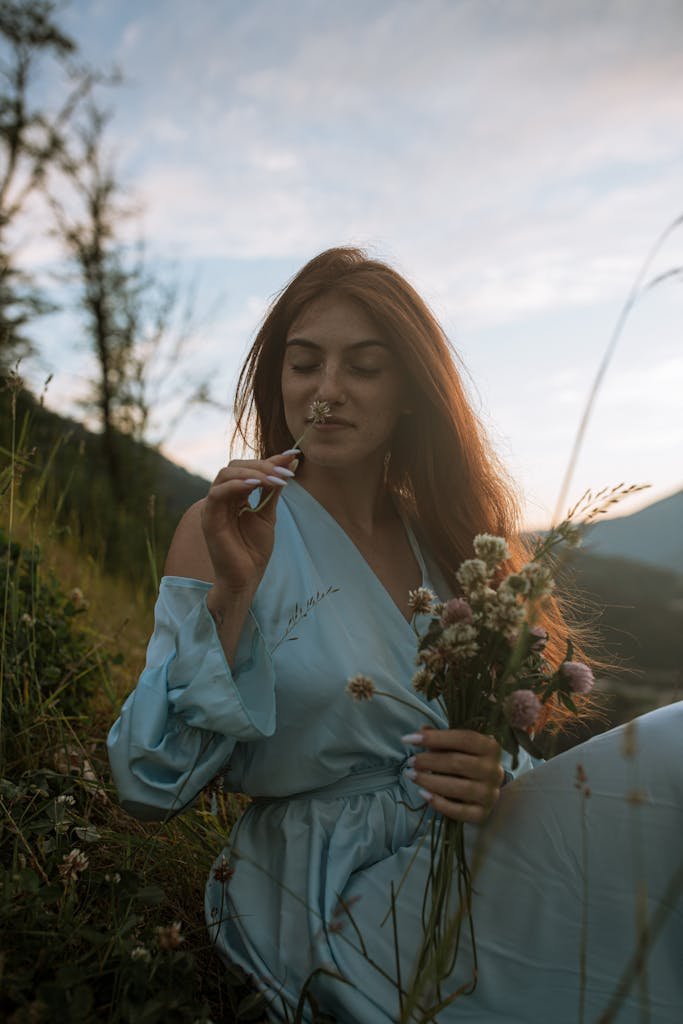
{"x":638,"y":288}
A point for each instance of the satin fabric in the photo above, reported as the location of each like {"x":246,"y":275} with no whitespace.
{"x":564,"y":879}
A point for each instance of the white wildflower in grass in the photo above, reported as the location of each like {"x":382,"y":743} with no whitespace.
{"x":360,"y":688}
{"x":114,"y":879}
{"x":169,"y":937}
{"x":141,"y":953}
{"x":26,"y":620}
{"x":492,"y":550}
{"x":73,"y":865}
{"x":77,"y":599}
{"x":522,"y":709}
{"x":577,"y":675}
{"x":421,"y":601}
{"x":66,"y":798}
{"x":473,"y":575}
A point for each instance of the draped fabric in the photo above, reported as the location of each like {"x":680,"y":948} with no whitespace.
{"x":564,"y":880}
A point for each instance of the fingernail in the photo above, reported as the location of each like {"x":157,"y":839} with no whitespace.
{"x":276,"y":480}
{"x":411,"y":761}
{"x":414,"y":738}
{"x":294,"y":464}
{"x":282,"y":471}
{"x":251,"y":481}
{"x":428,"y":797}
{"x":411,"y":774}
{"x":292,"y":451}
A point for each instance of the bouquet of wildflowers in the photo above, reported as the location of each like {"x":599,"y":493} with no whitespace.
{"x":482,"y":658}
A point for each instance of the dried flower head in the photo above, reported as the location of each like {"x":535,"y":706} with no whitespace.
{"x":492,"y":550}
{"x":141,"y":953}
{"x":421,"y":601}
{"x":522,"y":709}
{"x":473,"y":576}
{"x":224,"y":872}
{"x":73,"y":864}
{"x":460,"y":641}
{"x":539,"y":638}
{"x":422,"y":681}
{"x":539,"y":579}
{"x":456,"y":610}
{"x":578,"y":676}
{"x":169,"y":937}
{"x":320,"y":410}
{"x":360,"y":688}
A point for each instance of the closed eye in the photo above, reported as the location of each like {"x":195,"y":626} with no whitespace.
{"x":361,"y":371}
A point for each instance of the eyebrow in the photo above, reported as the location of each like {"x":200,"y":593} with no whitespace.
{"x":306,"y":343}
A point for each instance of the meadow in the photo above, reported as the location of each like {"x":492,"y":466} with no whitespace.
{"x":102,"y":915}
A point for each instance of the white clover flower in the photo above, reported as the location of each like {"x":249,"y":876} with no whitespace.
{"x":72,"y":865}
{"x":513,"y":586}
{"x":422,"y":681}
{"x":539,"y":578}
{"x":473,"y":576}
{"x":66,"y":798}
{"x":492,"y":550}
{"x":460,"y":640}
{"x":421,"y":601}
{"x":360,"y":688}
{"x":141,"y":953}
{"x":169,"y":937}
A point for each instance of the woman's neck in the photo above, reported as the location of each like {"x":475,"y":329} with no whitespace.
{"x":355,"y":497}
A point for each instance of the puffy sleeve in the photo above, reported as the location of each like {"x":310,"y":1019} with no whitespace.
{"x":179,"y":726}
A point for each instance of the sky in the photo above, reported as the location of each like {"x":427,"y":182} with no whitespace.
{"x":516,"y":160}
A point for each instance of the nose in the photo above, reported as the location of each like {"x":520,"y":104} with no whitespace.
{"x":331,"y":387}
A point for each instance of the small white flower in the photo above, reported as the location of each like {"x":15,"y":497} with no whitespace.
{"x":539,"y":578}
{"x":66,"y":798}
{"x":492,"y":550}
{"x":169,"y":937}
{"x":114,"y":879}
{"x":72,"y":865}
{"x":421,"y":601}
{"x":360,"y":688}
{"x":141,"y":953}
{"x":472,"y":576}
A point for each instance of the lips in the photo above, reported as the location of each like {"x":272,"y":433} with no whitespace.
{"x":331,"y":421}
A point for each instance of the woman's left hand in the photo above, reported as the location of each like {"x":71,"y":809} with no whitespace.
{"x":459,"y":773}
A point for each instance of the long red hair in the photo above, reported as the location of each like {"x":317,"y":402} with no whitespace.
{"x":442,"y":466}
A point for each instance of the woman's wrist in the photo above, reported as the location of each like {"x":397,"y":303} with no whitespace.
{"x":229,"y":610}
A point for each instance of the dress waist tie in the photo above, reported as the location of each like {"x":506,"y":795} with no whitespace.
{"x":367,"y":781}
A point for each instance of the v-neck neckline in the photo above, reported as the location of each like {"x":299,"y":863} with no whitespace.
{"x":412,"y":541}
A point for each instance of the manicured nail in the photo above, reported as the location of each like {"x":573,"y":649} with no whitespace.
{"x":292,"y":451}
{"x":282,"y":471}
{"x":411,"y":761}
{"x":251,"y":481}
{"x":415,"y":739}
{"x":294,"y":464}
{"x":276,"y":480}
{"x":428,"y":797}
{"x":411,"y":774}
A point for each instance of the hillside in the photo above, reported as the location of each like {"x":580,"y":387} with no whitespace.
{"x":653,"y":536}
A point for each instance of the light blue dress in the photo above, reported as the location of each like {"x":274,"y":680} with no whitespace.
{"x":565,"y":879}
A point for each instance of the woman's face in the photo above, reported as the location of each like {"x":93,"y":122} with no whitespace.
{"x":335,"y":352}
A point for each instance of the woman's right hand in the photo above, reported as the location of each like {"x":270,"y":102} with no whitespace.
{"x":239,"y":540}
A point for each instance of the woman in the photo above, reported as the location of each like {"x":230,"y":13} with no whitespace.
{"x":269,"y":607}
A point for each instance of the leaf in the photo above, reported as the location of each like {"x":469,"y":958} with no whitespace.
{"x":251,"y":1007}
{"x":528,"y":744}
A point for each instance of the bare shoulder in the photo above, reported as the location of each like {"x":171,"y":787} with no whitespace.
{"x":188,"y":554}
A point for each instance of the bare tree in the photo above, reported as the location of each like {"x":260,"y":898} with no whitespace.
{"x":136,"y":323}
{"x":32,"y":141}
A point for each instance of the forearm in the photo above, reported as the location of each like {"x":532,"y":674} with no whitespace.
{"x":229,"y":611}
